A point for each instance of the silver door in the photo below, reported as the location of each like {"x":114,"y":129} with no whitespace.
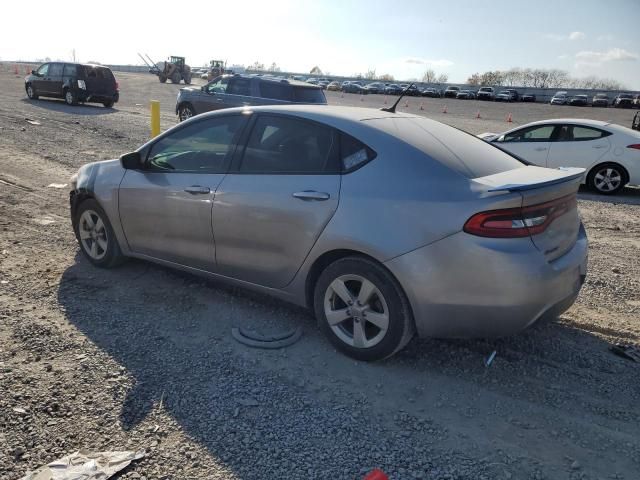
{"x":270,"y":211}
{"x":165,"y":209}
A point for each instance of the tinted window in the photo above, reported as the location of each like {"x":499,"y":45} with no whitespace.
{"x":105,"y":73}
{"x":218,"y":85}
{"x":288,"y":145}
{"x":308,"y":95}
{"x":353,"y":153}
{"x":570,"y":133}
{"x":239,"y":86}
{"x":70,"y":70}
{"x":275,"y":90}
{"x":201,"y":147}
{"x":55,"y":70}
{"x":532,"y":134}
{"x":44,"y":69}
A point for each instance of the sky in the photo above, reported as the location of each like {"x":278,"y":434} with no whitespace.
{"x":346,"y":37}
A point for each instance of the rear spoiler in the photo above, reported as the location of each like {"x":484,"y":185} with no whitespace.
{"x":529,"y":178}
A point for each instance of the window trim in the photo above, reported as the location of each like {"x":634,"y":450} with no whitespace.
{"x":334,"y":154}
{"x":236,"y":141}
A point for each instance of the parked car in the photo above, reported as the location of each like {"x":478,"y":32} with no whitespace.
{"x":259,"y":197}
{"x":508,"y":95}
{"x":323,"y":84}
{"x":528,"y":97}
{"x":486,"y":93}
{"x":451,"y":92}
{"x":237,"y":90}
{"x":355,"y":87}
{"x":393,"y":89}
{"x":410,"y":90}
{"x":204,"y":76}
{"x":431,"y":92}
{"x":560,"y":98}
{"x":334,"y":86}
{"x":609,"y":153}
{"x":73,"y":82}
{"x":375,"y":87}
{"x":579,"y":101}
{"x":600,"y":100}
{"x":623,"y":100}
{"x":636,"y":101}
{"x":466,"y":95}
{"x":312,"y":81}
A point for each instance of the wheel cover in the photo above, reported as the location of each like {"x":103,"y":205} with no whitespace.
{"x":185,"y":113}
{"x":356,"y":311}
{"x":93,"y":235}
{"x":69,"y":97}
{"x":30,"y":91}
{"x":607,"y":179}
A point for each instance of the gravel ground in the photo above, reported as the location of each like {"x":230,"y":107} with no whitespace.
{"x":142,"y":357}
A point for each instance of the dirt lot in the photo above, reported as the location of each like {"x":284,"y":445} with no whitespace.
{"x":141,"y":357}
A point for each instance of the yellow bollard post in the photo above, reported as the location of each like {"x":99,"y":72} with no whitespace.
{"x":155,"y":118}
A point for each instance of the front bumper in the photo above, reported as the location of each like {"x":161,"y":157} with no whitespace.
{"x":470,"y":287}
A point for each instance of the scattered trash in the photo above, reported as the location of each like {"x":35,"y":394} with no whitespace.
{"x":32,"y":122}
{"x":86,"y":466}
{"x":489,"y":360}
{"x":56,"y":185}
{"x":376,"y":474}
{"x":255,"y":340}
{"x":4,"y":282}
{"x":629,"y":352}
{"x":19,"y":410}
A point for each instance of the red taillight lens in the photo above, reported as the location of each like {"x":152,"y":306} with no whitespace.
{"x":635,"y":146}
{"x":519,"y":222}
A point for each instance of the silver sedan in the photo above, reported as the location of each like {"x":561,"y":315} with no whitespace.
{"x":383,"y":224}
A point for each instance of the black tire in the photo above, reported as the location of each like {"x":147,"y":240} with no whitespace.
{"x":185,"y":112}
{"x":175,"y":78}
{"x":109,"y":103}
{"x":613,"y":171}
{"x":400,"y":328}
{"x":104,"y":257}
{"x":70,"y":98}
{"x":31,"y":92}
{"x":162,"y":78}
{"x":187,"y":79}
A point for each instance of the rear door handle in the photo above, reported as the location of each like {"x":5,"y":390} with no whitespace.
{"x":599,"y":146}
{"x":311,"y":195}
{"x":540,"y":149}
{"x":197,"y":189}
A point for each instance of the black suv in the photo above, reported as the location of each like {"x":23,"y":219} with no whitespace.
{"x":237,"y":90}
{"x":74,"y":82}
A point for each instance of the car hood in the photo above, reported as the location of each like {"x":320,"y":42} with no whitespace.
{"x":190,"y":89}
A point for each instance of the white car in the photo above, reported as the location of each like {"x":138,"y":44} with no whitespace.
{"x":610,"y":153}
{"x":560,"y":98}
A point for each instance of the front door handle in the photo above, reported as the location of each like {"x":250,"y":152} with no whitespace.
{"x":599,"y":146}
{"x":197,"y":189}
{"x":311,"y":195}
{"x":540,"y":149}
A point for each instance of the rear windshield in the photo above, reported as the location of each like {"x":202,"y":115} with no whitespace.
{"x":276,"y":91}
{"x":458,"y":150}
{"x":101,"y":73}
{"x":308,"y":95}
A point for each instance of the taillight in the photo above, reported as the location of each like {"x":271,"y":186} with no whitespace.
{"x":635,"y":146}
{"x":117,"y":86}
{"x":519,"y":222}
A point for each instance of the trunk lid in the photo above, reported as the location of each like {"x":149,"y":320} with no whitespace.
{"x":544,"y":192}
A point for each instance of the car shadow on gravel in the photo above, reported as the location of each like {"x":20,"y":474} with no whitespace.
{"x":280,"y":409}
{"x":627,"y":196}
{"x":60,"y":106}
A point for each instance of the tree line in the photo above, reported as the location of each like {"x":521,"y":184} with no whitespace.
{"x":540,"y":78}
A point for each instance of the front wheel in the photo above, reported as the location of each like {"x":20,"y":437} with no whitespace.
{"x":185,"y":112}
{"x":607,"y":179}
{"x":362,"y":309}
{"x":31,"y":92}
{"x":95,"y":235}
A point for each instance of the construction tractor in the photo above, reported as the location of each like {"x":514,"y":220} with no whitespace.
{"x":216,"y":68}
{"x":173,"y":69}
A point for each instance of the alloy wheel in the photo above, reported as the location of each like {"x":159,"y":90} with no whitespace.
{"x":356,"y":311}
{"x":93,"y":235}
{"x":607,"y":179}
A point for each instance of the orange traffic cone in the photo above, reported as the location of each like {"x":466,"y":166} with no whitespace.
{"x":421,"y":105}
{"x":444,"y":109}
{"x":478,"y":114}
{"x":509,"y":120}
{"x":376,"y":474}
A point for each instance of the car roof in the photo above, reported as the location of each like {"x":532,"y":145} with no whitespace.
{"x":355,"y":114}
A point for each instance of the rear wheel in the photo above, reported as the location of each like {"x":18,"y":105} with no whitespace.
{"x":109,"y":103}
{"x":162,"y":77}
{"x":187,"y":79}
{"x":608,"y":178}
{"x":175,"y":78}
{"x":70,"y":97}
{"x":95,"y":235}
{"x":362,"y":309}
{"x":31,"y":92}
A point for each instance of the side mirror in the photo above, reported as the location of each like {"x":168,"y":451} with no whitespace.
{"x":33,"y":72}
{"x":131,"y":161}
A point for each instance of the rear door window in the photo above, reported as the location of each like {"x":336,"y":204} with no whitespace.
{"x":70,"y":70}
{"x":275,"y":90}
{"x":239,"y":86}
{"x":582,"y":134}
{"x":308,"y":95}
{"x":55,"y":70}
{"x":286,"y":145}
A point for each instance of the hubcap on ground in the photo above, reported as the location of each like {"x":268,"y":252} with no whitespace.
{"x":356,"y":311}
{"x":607,"y":179}
{"x":93,"y":234}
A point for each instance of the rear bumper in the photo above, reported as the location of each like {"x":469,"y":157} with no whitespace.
{"x":471,"y":287}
